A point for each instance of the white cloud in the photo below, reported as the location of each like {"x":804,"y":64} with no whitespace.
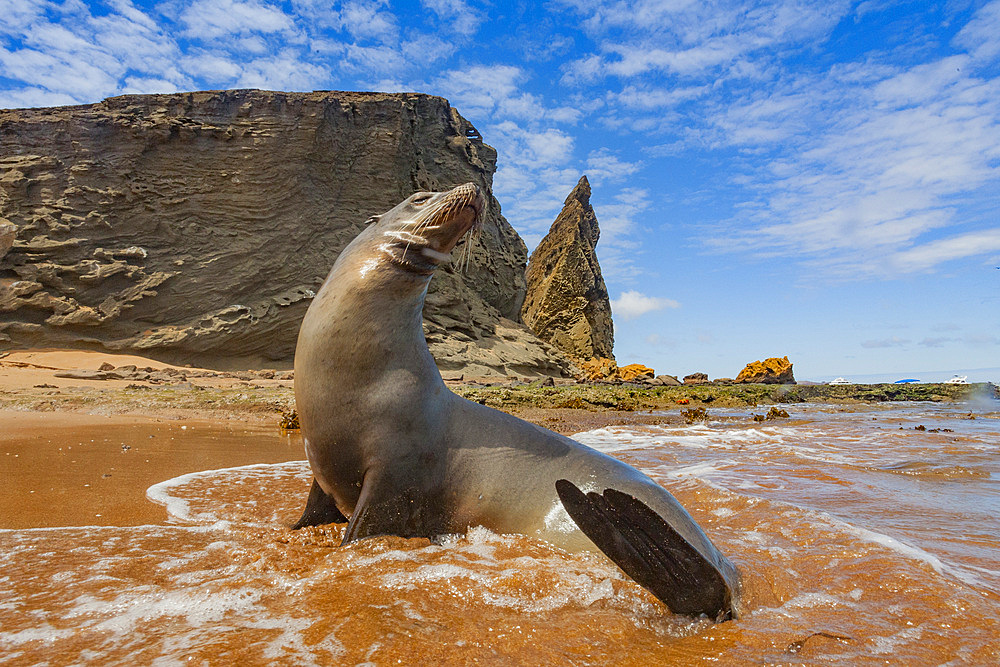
{"x":602,"y":164}
{"x":981,"y":35}
{"x":618,"y":216}
{"x":367,"y":20}
{"x":213,"y":19}
{"x":280,"y":72}
{"x":688,"y":38}
{"x":932,"y":253}
{"x":869,"y":167}
{"x":214,"y":69}
{"x":457,"y":15}
{"x":481,"y":91}
{"x":856,"y":170}
{"x":17,"y":98}
{"x":148,"y":85}
{"x":70,"y":53}
{"x":18,"y":15}
{"x":631,"y":304}
{"x":648,"y":97}
{"x":426,"y":49}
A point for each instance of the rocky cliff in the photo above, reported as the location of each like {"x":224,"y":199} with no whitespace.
{"x":195,"y":227}
{"x":567,"y":302}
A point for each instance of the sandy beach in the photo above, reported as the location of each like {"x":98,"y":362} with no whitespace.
{"x":71,"y":462}
{"x":816,"y":510}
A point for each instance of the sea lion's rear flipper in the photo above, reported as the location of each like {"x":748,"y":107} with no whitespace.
{"x":649,"y":550}
{"x":387,"y":507}
{"x":320,"y":509}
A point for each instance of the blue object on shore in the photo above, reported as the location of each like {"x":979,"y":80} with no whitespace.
{"x":907,"y":381}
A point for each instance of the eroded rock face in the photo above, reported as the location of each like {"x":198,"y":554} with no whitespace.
{"x":196,"y":227}
{"x":773,"y":370}
{"x":567,"y":302}
{"x":7,"y":234}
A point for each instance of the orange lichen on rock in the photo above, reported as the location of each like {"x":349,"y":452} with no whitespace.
{"x":773,"y":370}
{"x":633,"y":372}
{"x":599,"y":369}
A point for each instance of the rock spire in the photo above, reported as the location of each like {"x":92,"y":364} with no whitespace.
{"x":567,"y":302}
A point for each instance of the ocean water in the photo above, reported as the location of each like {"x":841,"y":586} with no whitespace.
{"x":865,"y":534}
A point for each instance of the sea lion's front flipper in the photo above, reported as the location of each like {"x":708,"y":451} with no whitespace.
{"x":387,"y":507}
{"x":649,"y":550}
{"x":320,"y":509}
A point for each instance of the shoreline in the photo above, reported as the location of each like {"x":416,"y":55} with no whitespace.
{"x":71,"y":382}
{"x":81,"y":445}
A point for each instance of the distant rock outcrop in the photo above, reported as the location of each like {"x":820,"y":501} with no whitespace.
{"x":635,"y":372}
{"x":599,"y":369}
{"x":696,"y":378}
{"x":196,"y":227}
{"x":769,"y":371}
{"x":567,"y":302}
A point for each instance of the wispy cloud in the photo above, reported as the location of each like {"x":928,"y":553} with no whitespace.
{"x":981,"y":35}
{"x":603,"y":165}
{"x":857,"y":165}
{"x":214,"y":19}
{"x":688,"y":38}
{"x":932,"y":253}
{"x":894,"y":341}
{"x":459,"y":16}
{"x":880,"y":176}
{"x":631,"y":304}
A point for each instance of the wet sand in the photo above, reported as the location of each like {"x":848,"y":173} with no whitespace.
{"x":862,"y":539}
{"x":70,"y":469}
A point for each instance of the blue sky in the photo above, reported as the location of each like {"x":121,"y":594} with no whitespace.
{"x":816,"y":179}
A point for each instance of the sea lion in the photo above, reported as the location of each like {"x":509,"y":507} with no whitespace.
{"x":393,"y":449}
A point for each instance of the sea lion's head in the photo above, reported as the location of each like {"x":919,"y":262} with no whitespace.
{"x":420,"y":232}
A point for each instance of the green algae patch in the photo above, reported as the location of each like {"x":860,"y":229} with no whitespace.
{"x":630,"y":397}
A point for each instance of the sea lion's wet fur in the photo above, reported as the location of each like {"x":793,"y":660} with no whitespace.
{"x":395,"y":450}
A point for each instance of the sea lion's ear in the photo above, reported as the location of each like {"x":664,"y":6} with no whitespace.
{"x":372,"y":220}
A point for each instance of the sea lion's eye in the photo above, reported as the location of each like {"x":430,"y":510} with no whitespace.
{"x":421,"y":199}
{"x":372,"y":220}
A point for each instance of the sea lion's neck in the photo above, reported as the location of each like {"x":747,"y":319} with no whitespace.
{"x":367,"y":319}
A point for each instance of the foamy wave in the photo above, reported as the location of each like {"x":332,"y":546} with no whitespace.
{"x":697,"y":436}
{"x":179,"y":508}
{"x":528,"y":583}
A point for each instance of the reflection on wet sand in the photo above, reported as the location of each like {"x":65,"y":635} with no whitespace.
{"x":846,"y":561}
{"x":62,"y":469}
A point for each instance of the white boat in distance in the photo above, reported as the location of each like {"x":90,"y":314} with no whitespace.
{"x":959,"y":379}
{"x":840,"y":381}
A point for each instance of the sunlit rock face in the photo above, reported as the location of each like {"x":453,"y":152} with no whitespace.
{"x":196,"y":227}
{"x":567,"y":301}
{"x":774,"y":370}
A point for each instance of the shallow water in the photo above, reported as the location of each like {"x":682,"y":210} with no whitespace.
{"x":862,"y":538}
